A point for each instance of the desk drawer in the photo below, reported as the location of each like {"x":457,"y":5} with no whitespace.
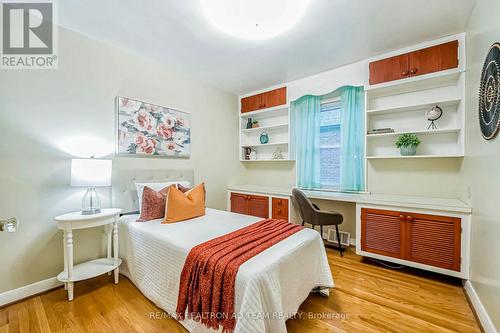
{"x":280,"y":208}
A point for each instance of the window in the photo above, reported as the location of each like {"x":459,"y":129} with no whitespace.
{"x":330,"y":144}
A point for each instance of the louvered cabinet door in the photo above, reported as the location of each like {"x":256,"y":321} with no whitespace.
{"x":239,"y":203}
{"x":382,"y":232}
{"x":433,"y":240}
{"x":258,"y":206}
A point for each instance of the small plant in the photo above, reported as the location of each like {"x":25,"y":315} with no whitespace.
{"x":407,"y":140}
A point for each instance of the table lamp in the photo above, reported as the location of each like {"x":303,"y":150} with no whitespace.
{"x":91,"y":173}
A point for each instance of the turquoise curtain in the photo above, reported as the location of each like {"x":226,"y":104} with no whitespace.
{"x":305,"y":114}
{"x":352,"y":167}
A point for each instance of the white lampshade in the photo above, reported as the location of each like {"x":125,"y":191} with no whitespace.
{"x":91,"y":172}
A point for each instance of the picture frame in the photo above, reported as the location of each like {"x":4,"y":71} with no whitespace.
{"x":145,"y":129}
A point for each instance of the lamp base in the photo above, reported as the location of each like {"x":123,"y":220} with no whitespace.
{"x":91,"y":212}
{"x":91,"y":204}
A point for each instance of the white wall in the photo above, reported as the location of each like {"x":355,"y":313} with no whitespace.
{"x":45,"y":114}
{"x":482,"y":164}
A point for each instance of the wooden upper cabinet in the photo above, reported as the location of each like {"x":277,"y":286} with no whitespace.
{"x":258,"y":206}
{"x":382,"y":232}
{"x":239,"y":203}
{"x":389,"y":69}
{"x":434,"y":59}
{"x":434,"y":240}
{"x":264,"y":100}
{"x":429,"y":60}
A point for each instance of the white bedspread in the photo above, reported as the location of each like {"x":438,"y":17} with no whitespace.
{"x":269,"y":287}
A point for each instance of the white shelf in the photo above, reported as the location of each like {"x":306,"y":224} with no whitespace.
{"x":90,"y":269}
{"x":265,"y":144}
{"x":423,"y":82}
{"x":416,"y":107}
{"x":414,"y":156}
{"x":268,"y":160}
{"x":271,"y":112}
{"x":419,"y":132}
{"x":270,"y":127}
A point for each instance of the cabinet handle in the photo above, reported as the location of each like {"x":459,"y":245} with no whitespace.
{"x":409,"y":218}
{"x":413,"y":71}
{"x":402,"y":218}
{"x":405,"y":73}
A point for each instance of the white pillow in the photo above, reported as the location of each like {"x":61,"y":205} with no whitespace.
{"x":157,"y":187}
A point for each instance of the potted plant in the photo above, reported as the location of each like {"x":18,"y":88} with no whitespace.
{"x":255,"y":124}
{"x":407,"y":144}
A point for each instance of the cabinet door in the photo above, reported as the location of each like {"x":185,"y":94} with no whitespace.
{"x":274,"y":98}
{"x":382,"y":232}
{"x":239,"y":203}
{"x":251,"y":103}
{"x":434,"y":240}
{"x":389,"y":69}
{"x":434,"y":59}
{"x":280,"y":208}
{"x":258,"y":206}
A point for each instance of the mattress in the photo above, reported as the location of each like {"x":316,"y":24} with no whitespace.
{"x":270,"y":287}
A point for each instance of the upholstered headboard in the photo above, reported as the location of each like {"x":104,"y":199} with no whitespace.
{"x":123,"y":191}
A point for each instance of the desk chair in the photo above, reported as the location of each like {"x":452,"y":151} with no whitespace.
{"x":311,"y":214}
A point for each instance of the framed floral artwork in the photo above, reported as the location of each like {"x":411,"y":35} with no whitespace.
{"x":152,"y":130}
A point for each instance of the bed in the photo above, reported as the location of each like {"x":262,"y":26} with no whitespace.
{"x":270,"y":287}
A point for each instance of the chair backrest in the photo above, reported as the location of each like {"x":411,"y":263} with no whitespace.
{"x":306,"y":209}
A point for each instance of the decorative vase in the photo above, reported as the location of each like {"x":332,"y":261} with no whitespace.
{"x":408,"y":150}
{"x":249,"y":123}
{"x":264,"y":138}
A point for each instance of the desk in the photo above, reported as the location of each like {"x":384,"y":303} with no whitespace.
{"x":406,"y":206}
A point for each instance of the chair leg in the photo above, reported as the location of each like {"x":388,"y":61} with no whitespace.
{"x":338,"y":240}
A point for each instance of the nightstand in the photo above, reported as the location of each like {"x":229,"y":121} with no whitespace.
{"x":108,"y":218}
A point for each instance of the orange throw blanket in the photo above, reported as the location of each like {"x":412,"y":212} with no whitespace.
{"x":207,"y":283}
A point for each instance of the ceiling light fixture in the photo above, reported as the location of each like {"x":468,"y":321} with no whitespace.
{"x":254,"y":19}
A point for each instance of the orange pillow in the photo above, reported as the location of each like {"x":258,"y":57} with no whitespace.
{"x":184,"y":206}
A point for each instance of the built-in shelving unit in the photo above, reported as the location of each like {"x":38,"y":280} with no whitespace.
{"x":275,"y":121}
{"x":401,"y":105}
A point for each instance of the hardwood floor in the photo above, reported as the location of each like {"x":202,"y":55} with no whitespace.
{"x":367,"y":298}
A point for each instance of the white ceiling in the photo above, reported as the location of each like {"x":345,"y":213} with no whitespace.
{"x":332,"y":33}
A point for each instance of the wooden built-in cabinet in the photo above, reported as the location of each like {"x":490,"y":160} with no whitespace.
{"x":264,"y":100}
{"x":254,"y":205}
{"x":264,"y":206}
{"x":429,"y":60}
{"x":427,"y":239}
{"x":280,"y":208}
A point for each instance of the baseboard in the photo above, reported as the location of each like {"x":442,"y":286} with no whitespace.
{"x":16,"y":295}
{"x":483,"y":316}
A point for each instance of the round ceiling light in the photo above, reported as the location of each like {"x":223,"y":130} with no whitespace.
{"x":254,"y":19}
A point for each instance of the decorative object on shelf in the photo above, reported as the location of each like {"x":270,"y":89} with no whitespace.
{"x":407,"y":143}
{"x":91,"y":173}
{"x":247,"y":153}
{"x":380,"y":131}
{"x":253,"y":155}
{"x":255,"y":124}
{"x":489,"y":94}
{"x":264,"y":138}
{"x":152,"y":130}
{"x":249,"y":123}
{"x":277,"y":155}
{"x":432,"y":115}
